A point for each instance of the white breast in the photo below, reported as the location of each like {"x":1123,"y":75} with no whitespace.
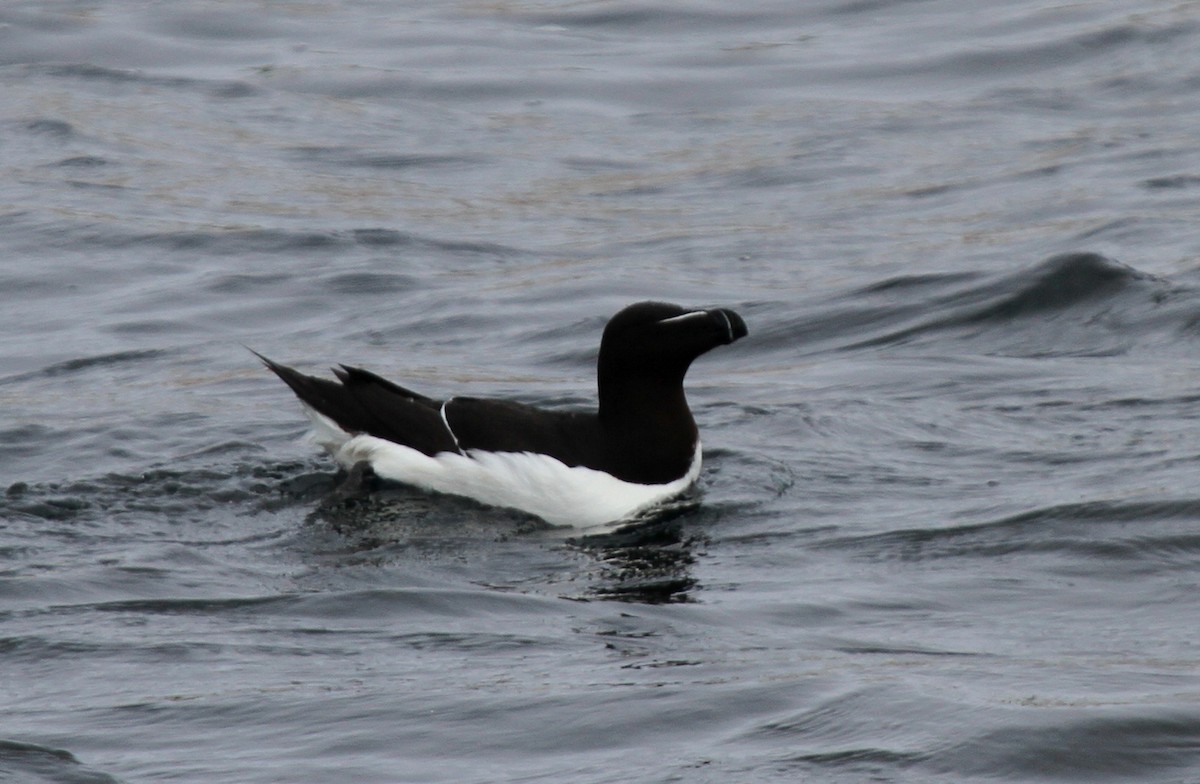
{"x":537,"y":484}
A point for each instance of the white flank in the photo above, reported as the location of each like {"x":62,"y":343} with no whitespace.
{"x":537,"y":484}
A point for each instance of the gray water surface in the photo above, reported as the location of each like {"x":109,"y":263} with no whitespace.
{"x":948,"y":528}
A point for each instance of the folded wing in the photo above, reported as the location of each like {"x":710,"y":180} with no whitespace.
{"x":362,"y":402}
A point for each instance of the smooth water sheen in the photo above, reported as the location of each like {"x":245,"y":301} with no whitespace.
{"x":948,"y":528}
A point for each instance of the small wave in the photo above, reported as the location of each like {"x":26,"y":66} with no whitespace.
{"x":644,"y":17}
{"x":161,"y":491}
{"x":1023,"y":55}
{"x":858,"y":757}
{"x":58,"y":129}
{"x":83,"y":162}
{"x":82,"y":364}
{"x":30,"y":762}
{"x":348,"y":156}
{"x":1179,"y":181}
{"x":202,"y":606}
{"x":236,"y":242}
{"x":100,"y":360}
{"x":1098,"y":306}
{"x":1059,"y":285}
{"x":355,"y":283}
{"x":221,"y":88}
{"x":1128,"y":531}
{"x":370,"y":603}
{"x":1083,"y":746}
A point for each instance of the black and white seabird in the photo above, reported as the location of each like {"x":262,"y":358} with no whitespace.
{"x":582,"y":469}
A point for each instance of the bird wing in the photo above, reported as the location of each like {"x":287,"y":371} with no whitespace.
{"x":506,"y":426}
{"x":361,"y":402}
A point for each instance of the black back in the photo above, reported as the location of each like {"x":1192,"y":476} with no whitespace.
{"x":643,"y":431}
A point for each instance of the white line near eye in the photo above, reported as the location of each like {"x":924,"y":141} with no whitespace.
{"x":728,"y":325}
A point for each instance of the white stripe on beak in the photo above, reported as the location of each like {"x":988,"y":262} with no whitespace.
{"x":682,"y":317}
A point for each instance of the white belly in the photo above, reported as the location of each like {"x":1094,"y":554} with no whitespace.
{"x":537,"y":484}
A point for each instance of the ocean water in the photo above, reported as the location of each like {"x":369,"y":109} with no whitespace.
{"x":948,"y":528}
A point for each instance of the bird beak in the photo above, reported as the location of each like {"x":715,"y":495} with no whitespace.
{"x":735,"y":327}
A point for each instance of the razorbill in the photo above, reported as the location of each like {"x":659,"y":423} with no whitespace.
{"x":575,"y":468}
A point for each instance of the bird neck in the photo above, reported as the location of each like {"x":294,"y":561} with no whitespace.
{"x":647,"y":403}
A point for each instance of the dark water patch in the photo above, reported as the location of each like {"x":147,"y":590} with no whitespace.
{"x":907,"y":283}
{"x":927,"y":191}
{"x":217,"y":242}
{"x":308,"y":485}
{"x":352,"y":606}
{"x":389,"y":238}
{"x":742,"y":479}
{"x":144,"y":327}
{"x":437,"y":602}
{"x":250,"y":605}
{"x":267,"y":242}
{"x":648,"y":562}
{"x":44,"y":508}
{"x":243,"y":283}
{"x":888,"y":650}
{"x":233,"y":90}
{"x":1117,"y":230}
{"x":207,"y":453}
{"x":136,"y":77}
{"x":369,"y":283}
{"x":1060,"y":283}
{"x":159,"y":492}
{"x":645,"y":563}
{"x":23,"y":439}
{"x":83,"y":364}
{"x":238,"y":241}
{"x":456,"y":642}
{"x":28,"y":763}
{"x":35,"y":650}
{"x":1098,"y":307}
{"x":874,"y":763}
{"x":760,"y":176}
{"x":1072,"y":47}
{"x":31,"y":649}
{"x":382,"y":514}
{"x":492,"y":249}
{"x":1055,"y":51}
{"x":1125,"y":532}
{"x":1176,"y":402}
{"x":1083,"y":745}
{"x":55,"y":129}
{"x":1177,"y":181}
{"x":350,"y":157}
{"x":103,"y":186}
{"x":383,"y":238}
{"x":94,"y":73}
{"x":850,"y":730}
{"x":273,"y":242}
{"x":645,"y":19}
{"x":83,"y":162}
{"x":591,"y":165}
{"x":824,"y":327}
